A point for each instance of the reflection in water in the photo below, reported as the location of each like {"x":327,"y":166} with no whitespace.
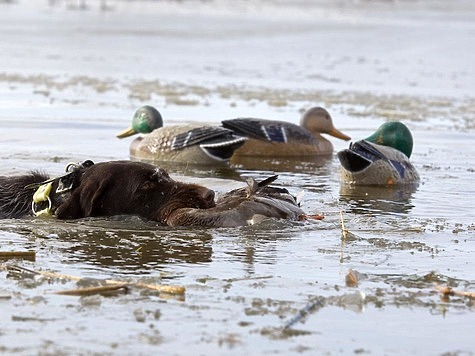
{"x":194,"y":170}
{"x":127,"y":244}
{"x":388,"y":199}
{"x":317,"y":165}
{"x":259,"y":244}
{"x":144,"y":250}
{"x":298,"y":164}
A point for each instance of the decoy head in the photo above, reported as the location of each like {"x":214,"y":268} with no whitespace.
{"x":393,"y":134}
{"x":146,"y":119}
{"x":317,"y":120}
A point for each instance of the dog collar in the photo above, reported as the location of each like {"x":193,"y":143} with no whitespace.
{"x":42,"y":205}
{"x":42,"y":195}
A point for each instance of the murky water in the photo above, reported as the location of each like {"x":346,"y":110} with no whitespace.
{"x":70,"y":79}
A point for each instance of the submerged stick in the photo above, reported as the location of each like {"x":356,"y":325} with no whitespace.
{"x":102,"y":290}
{"x":178,"y":290}
{"x":25,"y":255}
{"x":157,"y":287}
{"x":319,"y":302}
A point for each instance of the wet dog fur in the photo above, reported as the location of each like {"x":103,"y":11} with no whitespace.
{"x":107,"y":189}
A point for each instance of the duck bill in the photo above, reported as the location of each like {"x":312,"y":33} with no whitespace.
{"x":126,"y":133}
{"x":338,"y":134}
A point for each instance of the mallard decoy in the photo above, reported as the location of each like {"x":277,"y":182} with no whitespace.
{"x":265,"y":138}
{"x":271,"y":138}
{"x":195,"y":144}
{"x":244,"y":206}
{"x":380,"y":159}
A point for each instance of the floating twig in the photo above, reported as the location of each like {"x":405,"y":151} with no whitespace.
{"x":177,"y":290}
{"x":102,"y":290}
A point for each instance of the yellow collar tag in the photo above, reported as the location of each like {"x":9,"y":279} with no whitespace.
{"x":42,"y":195}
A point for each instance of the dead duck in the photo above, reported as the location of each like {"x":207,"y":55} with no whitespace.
{"x":380,"y":159}
{"x":196,"y":144}
{"x":244,"y":206}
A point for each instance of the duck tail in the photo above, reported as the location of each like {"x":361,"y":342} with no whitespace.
{"x":268,"y":181}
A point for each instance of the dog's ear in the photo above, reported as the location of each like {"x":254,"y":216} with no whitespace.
{"x":91,"y":196}
{"x":84,"y":201}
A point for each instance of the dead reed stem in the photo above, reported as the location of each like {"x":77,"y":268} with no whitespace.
{"x":102,"y":290}
{"x":344,"y":233}
{"x":24,"y":255}
{"x":177,"y":290}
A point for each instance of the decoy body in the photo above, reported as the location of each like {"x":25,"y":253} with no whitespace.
{"x":236,"y":137}
{"x":179,"y":143}
{"x":270,"y":138}
{"x":243,"y":206}
{"x":380,"y":159}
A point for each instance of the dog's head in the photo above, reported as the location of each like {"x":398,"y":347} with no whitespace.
{"x":132,"y":188}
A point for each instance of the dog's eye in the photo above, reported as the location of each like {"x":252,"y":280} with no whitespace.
{"x":148,"y":185}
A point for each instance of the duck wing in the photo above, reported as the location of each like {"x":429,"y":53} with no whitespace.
{"x":367,"y":150}
{"x":253,"y":189}
{"x":201,"y":135}
{"x":268,"y":130}
{"x":238,"y":211}
{"x":359,"y":156}
{"x":362,"y":154}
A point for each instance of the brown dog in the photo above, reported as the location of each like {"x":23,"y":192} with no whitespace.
{"x":103,"y":189}
{"x":135,"y":188}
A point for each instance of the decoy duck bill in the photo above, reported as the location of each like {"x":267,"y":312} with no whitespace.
{"x":338,"y":134}
{"x":127,"y":132}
